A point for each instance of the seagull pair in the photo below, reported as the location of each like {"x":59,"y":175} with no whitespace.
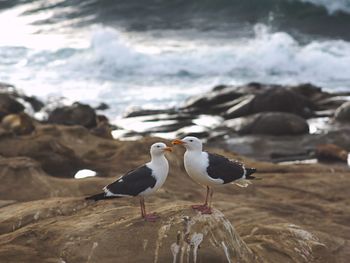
{"x":205,"y":168}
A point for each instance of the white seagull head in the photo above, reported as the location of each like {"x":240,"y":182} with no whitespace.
{"x":190,"y":143}
{"x":159,"y":148}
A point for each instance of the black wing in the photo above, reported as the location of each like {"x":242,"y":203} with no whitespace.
{"x":222,"y":168}
{"x":134,"y":182}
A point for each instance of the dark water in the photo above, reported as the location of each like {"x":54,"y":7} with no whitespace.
{"x":327,"y":18}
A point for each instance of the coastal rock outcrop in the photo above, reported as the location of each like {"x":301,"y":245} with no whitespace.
{"x":274,"y":99}
{"x":331,"y":152}
{"x":272,"y":123}
{"x":76,"y":114}
{"x":342,"y":114}
{"x":72,"y":230}
{"x":9,"y":105}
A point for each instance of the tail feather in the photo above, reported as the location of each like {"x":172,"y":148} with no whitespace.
{"x":249,"y":173}
{"x":100,"y":196}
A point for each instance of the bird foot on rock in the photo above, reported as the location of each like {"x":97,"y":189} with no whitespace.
{"x":206,"y":211}
{"x":151,"y":217}
{"x":199,"y":207}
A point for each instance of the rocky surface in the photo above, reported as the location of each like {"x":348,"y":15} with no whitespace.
{"x":343,"y":112}
{"x":273,"y":123}
{"x":245,"y":115}
{"x":296,"y":213}
{"x":76,"y":114}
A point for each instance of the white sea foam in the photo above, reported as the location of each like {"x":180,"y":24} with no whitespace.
{"x":272,"y":57}
{"x":118,"y":68}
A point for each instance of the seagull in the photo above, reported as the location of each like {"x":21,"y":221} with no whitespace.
{"x":211,"y":170}
{"x":141,"y":181}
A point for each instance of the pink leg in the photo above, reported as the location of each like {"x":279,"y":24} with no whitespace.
{"x":148,"y":217}
{"x":207,"y":210}
{"x":205,"y":205}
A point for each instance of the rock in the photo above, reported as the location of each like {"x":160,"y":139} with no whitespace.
{"x":310,"y":91}
{"x":103,"y":128}
{"x":36,"y":104}
{"x":265,"y":147}
{"x":288,"y":243}
{"x":222,"y":97}
{"x":159,"y":123}
{"x":102,"y":106}
{"x":277,"y":223}
{"x":195,"y":130}
{"x":55,"y":156}
{"x":9,"y":105}
{"x":274,"y":99}
{"x":272,"y":123}
{"x":137,"y":112}
{"x":76,"y":114}
{"x":22,"y":179}
{"x":19,"y":124}
{"x":342,"y":114}
{"x":207,"y":102}
{"x":75,"y":231}
{"x":331,"y":152}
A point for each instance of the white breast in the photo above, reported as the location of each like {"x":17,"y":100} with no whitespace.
{"x":160,"y":170}
{"x":196,"y":164}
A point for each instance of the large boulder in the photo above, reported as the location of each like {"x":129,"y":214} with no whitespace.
{"x":274,"y":99}
{"x":342,"y":114}
{"x":272,"y":123}
{"x":71,"y":230}
{"x":76,"y":114}
{"x":331,"y":152}
{"x":222,"y":97}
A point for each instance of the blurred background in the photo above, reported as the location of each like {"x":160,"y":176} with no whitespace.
{"x":156,"y":53}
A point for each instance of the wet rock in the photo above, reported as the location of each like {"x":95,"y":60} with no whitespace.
{"x":169,"y":126}
{"x":195,"y":130}
{"x":274,"y":99}
{"x":272,"y":123}
{"x":36,"y":104}
{"x":311,"y":92}
{"x":331,"y":152}
{"x":223,"y":97}
{"x":103,"y":129}
{"x":342,"y":114}
{"x":76,"y":114}
{"x":204,"y":103}
{"x":102,"y":106}
{"x":137,"y":112}
{"x":19,"y":124}
{"x":8,"y":105}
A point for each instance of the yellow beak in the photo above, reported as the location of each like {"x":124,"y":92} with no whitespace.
{"x":177,"y":142}
{"x":168,"y":149}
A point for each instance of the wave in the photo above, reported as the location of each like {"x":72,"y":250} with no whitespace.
{"x":269,"y":57}
{"x":117,"y":69}
{"x":266,"y":54}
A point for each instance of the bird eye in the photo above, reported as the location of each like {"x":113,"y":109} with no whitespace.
{"x":158,"y":146}
{"x":191,"y":140}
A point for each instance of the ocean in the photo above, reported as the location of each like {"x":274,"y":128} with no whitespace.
{"x":156,"y":53}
